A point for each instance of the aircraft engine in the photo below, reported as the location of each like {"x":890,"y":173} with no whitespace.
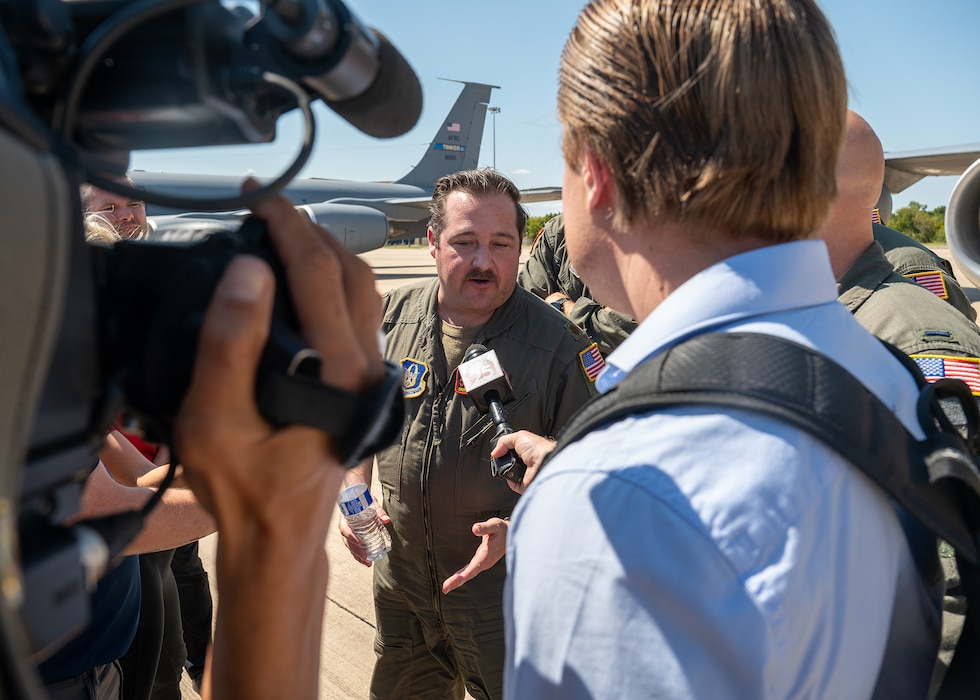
{"x":963,"y":223}
{"x":359,"y":228}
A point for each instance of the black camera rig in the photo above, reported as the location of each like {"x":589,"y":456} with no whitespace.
{"x":82,"y":83}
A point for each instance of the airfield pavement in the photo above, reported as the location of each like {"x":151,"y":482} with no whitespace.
{"x":347,"y":654}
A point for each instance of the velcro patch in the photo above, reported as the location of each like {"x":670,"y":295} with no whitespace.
{"x":933,"y":281}
{"x":936,"y":367}
{"x":592,"y":362}
{"x":413,"y":383}
{"x":574,"y":330}
{"x":928,"y":335}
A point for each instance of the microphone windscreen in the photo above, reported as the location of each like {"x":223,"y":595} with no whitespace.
{"x":393,"y":103}
{"x":475,"y":350}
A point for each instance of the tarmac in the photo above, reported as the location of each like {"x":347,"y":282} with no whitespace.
{"x":347,"y":654}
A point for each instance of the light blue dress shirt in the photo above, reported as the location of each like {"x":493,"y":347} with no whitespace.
{"x":697,"y":553}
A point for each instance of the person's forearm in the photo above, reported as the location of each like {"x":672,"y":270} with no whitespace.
{"x":272,"y":586}
{"x":126,"y":463}
{"x":365,"y":470}
{"x":176,"y":520}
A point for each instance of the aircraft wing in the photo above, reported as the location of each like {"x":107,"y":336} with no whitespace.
{"x":904,"y":169}
{"x":540,"y":194}
{"x":363,"y":215}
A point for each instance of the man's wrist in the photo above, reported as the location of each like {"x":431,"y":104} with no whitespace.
{"x":559,"y":304}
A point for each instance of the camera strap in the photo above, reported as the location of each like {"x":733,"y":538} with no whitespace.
{"x":362,"y":424}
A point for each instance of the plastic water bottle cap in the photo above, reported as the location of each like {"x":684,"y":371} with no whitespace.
{"x":355,"y":499}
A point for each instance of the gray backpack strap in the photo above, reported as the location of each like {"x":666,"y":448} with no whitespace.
{"x":935,"y":480}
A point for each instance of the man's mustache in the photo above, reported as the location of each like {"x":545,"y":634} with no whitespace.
{"x":481,"y":276}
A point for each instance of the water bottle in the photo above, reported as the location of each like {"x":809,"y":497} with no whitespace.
{"x":358,"y":507}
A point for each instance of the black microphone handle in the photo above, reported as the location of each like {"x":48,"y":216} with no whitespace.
{"x":497,"y":413}
{"x":509,"y":466}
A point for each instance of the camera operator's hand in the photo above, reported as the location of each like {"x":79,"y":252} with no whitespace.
{"x":273,"y":491}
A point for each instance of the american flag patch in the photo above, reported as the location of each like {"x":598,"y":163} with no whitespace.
{"x":936,"y":367}
{"x":453,"y":127}
{"x":592,"y":362}
{"x":875,"y":216}
{"x":933,"y":281}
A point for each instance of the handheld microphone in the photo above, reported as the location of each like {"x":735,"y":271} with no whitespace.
{"x":488,"y":386}
{"x":356,"y":70}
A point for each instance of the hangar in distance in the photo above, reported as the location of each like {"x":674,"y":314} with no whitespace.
{"x":362,"y":215}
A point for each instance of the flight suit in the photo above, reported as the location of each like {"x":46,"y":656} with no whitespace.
{"x":900,"y":312}
{"x":931,"y":332}
{"x":436,"y":484}
{"x":549,"y":270}
{"x":915,"y":261}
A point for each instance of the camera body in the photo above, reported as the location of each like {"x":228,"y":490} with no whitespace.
{"x":152,"y":297}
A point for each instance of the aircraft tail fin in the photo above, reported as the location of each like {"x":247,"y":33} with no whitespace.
{"x":456,"y":145}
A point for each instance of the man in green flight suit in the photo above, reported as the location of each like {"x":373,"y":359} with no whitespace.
{"x":916,"y":262}
{"x":892,"y":307}
{"x":941,"y":339}
{"x":436,"y":636}
{"x":549,"y":274}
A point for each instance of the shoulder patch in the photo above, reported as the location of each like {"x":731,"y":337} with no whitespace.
{"x":592,"y":362}
{"x":933,"y":281}
{"x":936,"y":367}
{"x":574,"y":330}
{"x":413,"y":383}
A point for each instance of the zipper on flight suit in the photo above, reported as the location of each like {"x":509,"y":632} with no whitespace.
{"x":435,"y":428}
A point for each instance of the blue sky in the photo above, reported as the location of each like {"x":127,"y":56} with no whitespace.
{"x":910,"y":66}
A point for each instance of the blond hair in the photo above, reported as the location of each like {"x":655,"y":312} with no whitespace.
{"x":726,"y":114}
{"x":99,"y":230}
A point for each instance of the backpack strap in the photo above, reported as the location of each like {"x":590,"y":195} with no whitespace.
{"x":935,"y":480}
{"x":799,"y":386}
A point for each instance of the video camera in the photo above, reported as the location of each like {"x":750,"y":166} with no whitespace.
{"x":82,"y":83}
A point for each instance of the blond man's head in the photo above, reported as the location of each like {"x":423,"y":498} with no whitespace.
{"x":724,"y":114}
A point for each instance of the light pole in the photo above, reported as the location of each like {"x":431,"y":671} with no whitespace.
{"x":494,"y":111}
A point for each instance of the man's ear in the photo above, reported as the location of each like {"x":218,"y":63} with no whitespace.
{"x":598,"y":181}
{"x":430,"y":236}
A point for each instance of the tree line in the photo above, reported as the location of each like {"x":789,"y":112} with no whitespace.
{"x":921,"y":224}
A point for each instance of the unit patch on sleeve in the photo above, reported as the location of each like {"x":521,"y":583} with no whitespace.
{"x":414,"y":382}
{"x":935,"y":367}
{"x":592,"y":362}
{"x":933,"y":281}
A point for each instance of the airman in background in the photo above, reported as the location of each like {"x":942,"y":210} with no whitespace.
{"x":943,"y":341}
{"x":923,"y":266}
{"x":549,"y":274}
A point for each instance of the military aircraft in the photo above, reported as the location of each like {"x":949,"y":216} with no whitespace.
{"x":362,"y":215}
{"x":963,"y":209}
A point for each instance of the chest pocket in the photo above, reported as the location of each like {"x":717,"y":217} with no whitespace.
{"x":476,"y":491}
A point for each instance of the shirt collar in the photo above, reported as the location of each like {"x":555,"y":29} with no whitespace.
{"x":762,"y":281}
